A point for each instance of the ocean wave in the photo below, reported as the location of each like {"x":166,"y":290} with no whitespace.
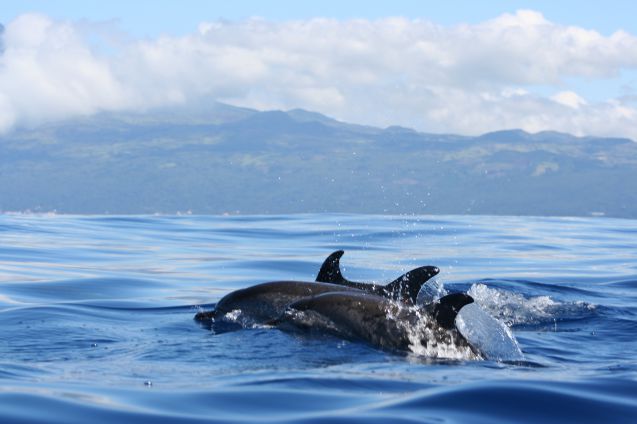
{"x":313,"y":399}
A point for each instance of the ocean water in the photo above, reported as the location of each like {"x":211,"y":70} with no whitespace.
{"x":96,"y":320}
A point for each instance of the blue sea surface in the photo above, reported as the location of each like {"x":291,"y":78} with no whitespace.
{"x":96,"y":320}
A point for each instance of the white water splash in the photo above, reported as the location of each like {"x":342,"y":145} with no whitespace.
{"x":430,"y":292}
{"x":441,"y":350}
{"x":233,"y":316}
{"x":428,"y":339}
{"x":515,"y":309}
{"x":488,"y":335}
{"x":236,"y":316}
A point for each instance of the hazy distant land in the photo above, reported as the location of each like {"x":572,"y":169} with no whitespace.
{"x":215,"y":158}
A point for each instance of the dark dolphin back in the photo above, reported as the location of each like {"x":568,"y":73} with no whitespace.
{"x":262,"y":302}
{"x":405,"y":288}
{"x":352,"y":315}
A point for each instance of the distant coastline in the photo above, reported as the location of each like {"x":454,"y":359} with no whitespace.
{"x":218,"y":159}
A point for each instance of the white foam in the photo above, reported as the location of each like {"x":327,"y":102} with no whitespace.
{"x":439,"y":343}
{"x":515,"y":309}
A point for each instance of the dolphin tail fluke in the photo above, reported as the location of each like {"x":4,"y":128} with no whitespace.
{"x":330,"y":271}
{"x":447,"y":308}
{"x":406,"y":287}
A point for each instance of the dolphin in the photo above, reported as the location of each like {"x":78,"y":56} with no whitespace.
{"x":381,"y":322}
{"x":264,"y":302}
{"x":405,"y":288}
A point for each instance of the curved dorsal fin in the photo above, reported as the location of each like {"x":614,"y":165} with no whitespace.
{"x":331,"y":269}
{"x":405,"y":288}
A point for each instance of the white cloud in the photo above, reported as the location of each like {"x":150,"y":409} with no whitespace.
{"x":569,"y":98}
{"x":48,"y":71}
{"x":461,"y":79}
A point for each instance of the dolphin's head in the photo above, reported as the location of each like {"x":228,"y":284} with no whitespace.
{"x":446,"y":309}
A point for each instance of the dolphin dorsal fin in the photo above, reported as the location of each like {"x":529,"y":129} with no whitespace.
{"x":330,"y":271}
{"x":446,"y":309}
{"x":406,"y":287}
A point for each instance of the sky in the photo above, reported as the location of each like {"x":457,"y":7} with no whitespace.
{"x":461,"y":67}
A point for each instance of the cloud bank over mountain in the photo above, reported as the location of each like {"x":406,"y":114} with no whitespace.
{"x":514,"y":71}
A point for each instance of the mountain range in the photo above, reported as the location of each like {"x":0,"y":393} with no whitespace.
{"x":212,"y":158}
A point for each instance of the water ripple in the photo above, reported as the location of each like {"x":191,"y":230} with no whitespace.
{"x":96,"y":317}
